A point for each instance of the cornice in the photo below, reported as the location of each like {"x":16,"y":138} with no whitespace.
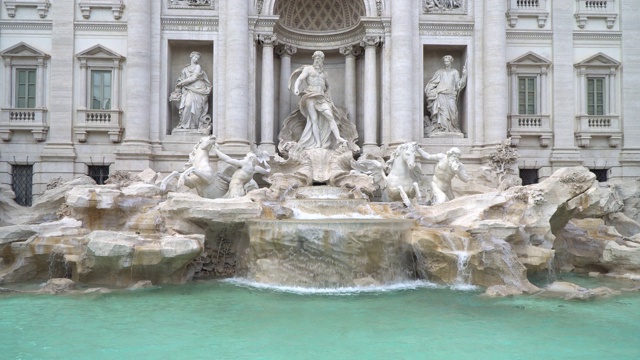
{"x":190,"y":24}
{"x":25,"y":25}
{"x":100,"y":26}
{"x":446,"y":28}
{"x":530,"y":35}
{"x":592,"y":35}
{"x":320,"y":40}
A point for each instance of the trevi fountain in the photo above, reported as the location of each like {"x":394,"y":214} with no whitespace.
{"x":323,"y":251}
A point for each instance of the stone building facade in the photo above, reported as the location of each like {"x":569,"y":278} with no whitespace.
{"x":86,"y":83}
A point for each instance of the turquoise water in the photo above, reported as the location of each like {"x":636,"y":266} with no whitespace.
{"x":221,"y":320}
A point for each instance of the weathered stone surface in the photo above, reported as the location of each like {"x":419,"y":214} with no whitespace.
{"x":103,"y":197}
{"x":148,"y":176}
{"x":121,"y":258}
{"x":9,"y":234}
{"x":57,"y":285}
{"x":502,"y":291}
{"x":182,"y":211}
{"x":142,"y":284}
{"x":623,"y":224}
{"x":570,"y":291}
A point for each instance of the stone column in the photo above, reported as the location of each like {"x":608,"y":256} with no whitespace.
{"x":564,"y":151}
{"x":237,"y":44}
{"x":495,"y":75}
{"x":402,"y":79}
{"x":630,"y":155}
{"x":59,"y":152}
{"x":370,"y":44}
{"x":7,"y":87}
{"x":284,"y":105}
{"x":350,"y":53}
{"x":135,"y":154}
{"x":267,"y":97}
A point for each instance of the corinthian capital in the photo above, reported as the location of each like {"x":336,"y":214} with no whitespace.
{"x":368,"y":41}
{"x":350,"y":50}
{"x":267,"y":40}
{"x":286,"y":50}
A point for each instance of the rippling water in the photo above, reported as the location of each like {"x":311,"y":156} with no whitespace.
{"x":234,"y":320}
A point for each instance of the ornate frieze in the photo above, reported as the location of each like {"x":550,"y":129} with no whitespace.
{"x":444,"y":7}
{"x":25,"y":25}
{"x":100,"y":26}
{"x":320,"y":40}
{"x":529,"y":35}
{"x":592,"y":35}
{"x":446,"y":29}
{"x":190,"y":24}
{"x":351,"y":50}
{"x":190,"y":4}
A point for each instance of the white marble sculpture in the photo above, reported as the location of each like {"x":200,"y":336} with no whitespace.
{"x":399,"y":178}
{"x":318,"y":123}
{"x":242,"y":181}
{"x":233,"y":180}
{"x":442,"y":93}
{"x":192,"y":91}
{"x":448,"y":166}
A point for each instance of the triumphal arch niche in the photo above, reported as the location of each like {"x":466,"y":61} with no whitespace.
{"x":349,"y":33}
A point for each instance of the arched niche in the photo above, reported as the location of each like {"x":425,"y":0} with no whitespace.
{"x":371,"y":6}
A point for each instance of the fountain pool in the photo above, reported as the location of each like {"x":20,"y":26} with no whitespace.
{"x":227,"y":320}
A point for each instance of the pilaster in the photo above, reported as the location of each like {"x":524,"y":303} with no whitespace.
{"x":370,"y":44}
{"x":59,"y":152}
{"x":350,"y":53}
{"x":285,"y":52}
{"x":267,"y":94}
{"x":495,"y":76}
{"x":402,"y":79}
{"x":564,"y":151}
{"x":135,"y":153}
{"x":630,"y":155}
{"x":237,"y":54}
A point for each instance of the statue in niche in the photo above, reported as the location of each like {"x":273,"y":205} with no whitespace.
{"x":442,"y":93}
{"x":448,"y":166}
{"x":439,"y":5}
{"x":318,"y":123}
{"x":192,"y":92}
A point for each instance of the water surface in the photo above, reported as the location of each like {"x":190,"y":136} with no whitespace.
{"x":222,"y":320}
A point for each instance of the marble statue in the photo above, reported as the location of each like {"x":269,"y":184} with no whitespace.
{"x":448,"y":166}
{"x":242,"y":181}
{"x":192,"y":91}
{"x":442,"y":93}
{"x":399,"y":178}
{"x":318,"y":123}
{"x":234,"y":179}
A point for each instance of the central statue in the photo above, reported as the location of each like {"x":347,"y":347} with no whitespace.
{"x":318,"y":123}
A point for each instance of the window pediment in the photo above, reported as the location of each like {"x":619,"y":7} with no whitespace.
{"x":599,"y":60}
{"x":23,"y":50}
{"x":530,"y":58}
{"x":99,"y":52}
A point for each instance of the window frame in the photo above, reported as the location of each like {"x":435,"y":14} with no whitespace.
{"x":526,"y":92}
{"x":93,"y":88}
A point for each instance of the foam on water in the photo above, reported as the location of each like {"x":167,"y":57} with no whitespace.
{"x":352,"y":290}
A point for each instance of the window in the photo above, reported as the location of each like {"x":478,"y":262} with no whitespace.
{"x":601,"y":174}
{"x":595,"y":96}
{"x":101,"y":89}
{"x":527,"y":95}
{"x":528,"y":98}
{"x":99,"y":173}
{"x":22,"y":183}
{"x":99,"y":96}
{"x":598,"y":94}
{"x":529,"y":176}
{"x":25,"y":88}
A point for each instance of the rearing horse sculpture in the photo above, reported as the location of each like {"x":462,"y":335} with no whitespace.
{"x":400,"y":182}
{"x":198,"y":173}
